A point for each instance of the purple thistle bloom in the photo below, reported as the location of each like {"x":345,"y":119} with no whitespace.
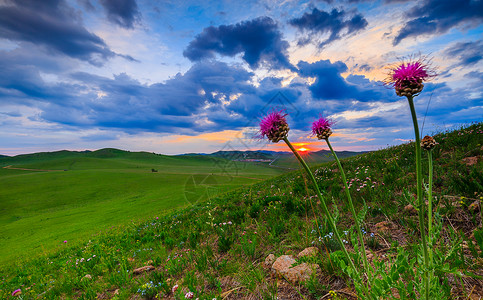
{"x":274,"y":126}
{"x":407,"y":78}
{"x":17,"y":292}
{"x":321,"y":128}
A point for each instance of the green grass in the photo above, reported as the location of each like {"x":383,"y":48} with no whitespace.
{"x":216,"y":247}
{"x":39,"y":210}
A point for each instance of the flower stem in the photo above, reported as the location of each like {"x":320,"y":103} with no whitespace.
{"x":351,"y":205}
{"x":324,"y":205}
{"x":419,"y":183}
{"x":430,"y":199}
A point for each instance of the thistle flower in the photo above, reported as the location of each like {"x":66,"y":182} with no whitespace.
{"x":17,"y":292}
{"x":428,"y":143}
{"x":274,"y":126}
{"x":321,"y":128}
{"x":407,"y":78}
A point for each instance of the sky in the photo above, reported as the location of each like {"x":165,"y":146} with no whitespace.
{"x":176,"y":77}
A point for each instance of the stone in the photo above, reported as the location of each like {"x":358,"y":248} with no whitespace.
{"x":86,"y":277}
{"x":142,"y":269}
{"x":469,"y":161}
{"x":384,"y":226}
{"x":410,"y":209}
{"x":269,"y":261}
{"x":282,"y":263}
{"x":282,"y":267}
{"x":308,"y":252}
{"x":302,"y":272}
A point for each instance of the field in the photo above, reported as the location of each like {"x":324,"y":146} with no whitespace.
{"x":218,"y":247}
{"x":77,"y":194}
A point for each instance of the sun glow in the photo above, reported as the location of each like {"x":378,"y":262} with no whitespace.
{"x":302,"y":149}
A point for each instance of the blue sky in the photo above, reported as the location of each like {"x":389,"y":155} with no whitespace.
{"x":196,"y":76}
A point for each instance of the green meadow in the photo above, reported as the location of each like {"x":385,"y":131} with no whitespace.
{"x":49,"y":198}
{"x":205,"y":228}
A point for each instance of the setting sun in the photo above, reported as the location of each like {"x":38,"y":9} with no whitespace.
{"x":302,"y":149}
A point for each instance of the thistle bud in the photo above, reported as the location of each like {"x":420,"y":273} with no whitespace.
{"x":428,"y":143}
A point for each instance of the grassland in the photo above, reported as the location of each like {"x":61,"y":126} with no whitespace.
{"x":48,"y":198}
{"x":217,"y":248}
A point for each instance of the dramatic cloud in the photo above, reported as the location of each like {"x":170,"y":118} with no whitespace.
{"x":336,"y":24}
{"x":259,"y":40}
{"x":329,"y":83}
{"x":121,"y":12}
{"x":468,"y":53}
{"x":438,"y":16}
{"x":180,"y":105}
{"x":53,"y":25}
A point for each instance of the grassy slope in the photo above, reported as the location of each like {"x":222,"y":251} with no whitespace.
{"x":100,"y":189}
{"x":274,"y":216}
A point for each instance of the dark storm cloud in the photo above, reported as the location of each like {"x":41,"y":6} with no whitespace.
{"x":468,"y":53}
{"x":211,"y":96}
{"x":438,"y":16}
{"x":329,"y":83}
{"x":53,"y":25}
{"x":121,"y":12}
{"x":259,"y":40}
{"x":336,"y":24}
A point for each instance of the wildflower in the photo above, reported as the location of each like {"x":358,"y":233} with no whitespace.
{"x":65,"y":242}
{"x":17,"y":292}
{"x":321,"y":128}
{"x":174,"y":288}
{"x":189,"y":295}
{"x":428,"y":143}
{"x":407,"y":78}
{"x":274,"y":126}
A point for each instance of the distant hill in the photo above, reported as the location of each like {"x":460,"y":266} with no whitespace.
{"x":282,"y":159}
{"x":65,"y":159}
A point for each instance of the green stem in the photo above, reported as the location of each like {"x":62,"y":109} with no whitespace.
{"x":419,"y":182}
{"x":351,"y":205}
{"x":430,"y":203}
{"x":324,"y":205}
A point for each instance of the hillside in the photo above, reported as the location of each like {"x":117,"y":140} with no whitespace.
{"x":284,"y":160}
{"x":219,"y":248}
{"x":49,"y":197}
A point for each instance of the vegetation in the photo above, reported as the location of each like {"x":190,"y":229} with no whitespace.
{"x":79,"y":193}
{"x":216,"y":248}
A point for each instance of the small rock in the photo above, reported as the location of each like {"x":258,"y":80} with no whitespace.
{"x":474,"y":207}
{"x":410,"y":209}
{"x":384,"y":226}
{"x":282,"y":263}
{"x":369,"y":256}
{"x":310,"y":251}
{"x":302,"y":272}
{"x":142,"y":269}
{"x":269,"y":261}
{"x":469,"y":161}
{"x":283,"y":268}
